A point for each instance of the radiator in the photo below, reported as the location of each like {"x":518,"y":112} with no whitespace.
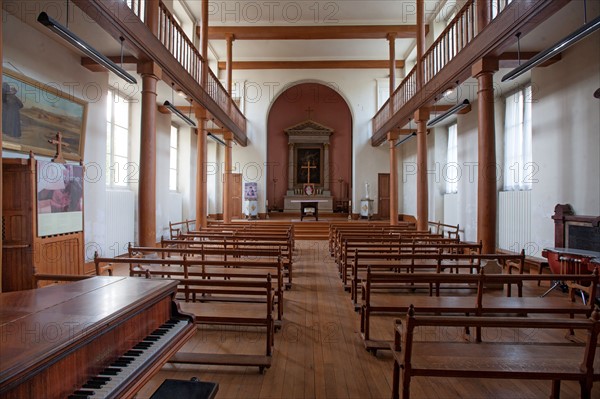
{"x":120,"y":221}
{"x":514,"y":222}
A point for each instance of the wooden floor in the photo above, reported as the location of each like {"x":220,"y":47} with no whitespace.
{"x":319,"y":352}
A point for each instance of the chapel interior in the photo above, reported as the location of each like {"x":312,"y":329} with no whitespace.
{"x":300,"y":199}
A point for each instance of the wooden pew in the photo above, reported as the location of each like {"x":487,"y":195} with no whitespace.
{"x":231,"y":245}
{"x":381,"y":296}
{"x":226,"y":309}
{"x":177,"y":228}
{"x":448,"y":230}
{"x":187,"y":268}
{"x":374,"y":254}
{"x":336,"y":229}
{"x":512,"y":359}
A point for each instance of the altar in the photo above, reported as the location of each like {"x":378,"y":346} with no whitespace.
{"x":308,"y":167}
{"x":292,"y":202}
{"x":309,"y":207}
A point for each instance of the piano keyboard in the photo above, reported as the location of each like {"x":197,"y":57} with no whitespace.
{"x":105,"y":384}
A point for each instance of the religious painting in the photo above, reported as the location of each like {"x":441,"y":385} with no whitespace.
{"x":59,"y":198}
{"x":250,"y":191}
{"x":308,"y":165}
{"x":33,"y":112}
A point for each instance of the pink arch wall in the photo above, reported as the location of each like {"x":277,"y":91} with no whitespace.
{"x":289,"y":109}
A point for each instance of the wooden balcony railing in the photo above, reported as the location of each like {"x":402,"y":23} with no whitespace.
{"x":138,"y":7}
{"x":172,"y":36}
{"x":461,"y":31}
{"x":174,"y":39}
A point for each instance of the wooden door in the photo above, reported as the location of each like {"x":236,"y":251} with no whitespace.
{"x":236,"y":195}
{"x":383,"y":195}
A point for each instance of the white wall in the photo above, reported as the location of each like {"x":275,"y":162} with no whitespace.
{"x":566,"y":137}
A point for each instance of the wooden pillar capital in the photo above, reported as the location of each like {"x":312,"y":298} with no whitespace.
{"x":422,"y":114}
{"x":393,"y":136}
{"x":228,"y":136}
{"x":149,"y":68}
{"x":229,"y":37}
{"x":391,"y":36}
{"x":484,"y":65}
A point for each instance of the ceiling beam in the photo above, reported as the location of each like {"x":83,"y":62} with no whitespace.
{"x":345,"y":64}
{"x":312,"y":32}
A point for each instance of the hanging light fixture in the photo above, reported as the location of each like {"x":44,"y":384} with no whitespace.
{"x":558,"y":47}
{"x":218,"y":140}
{"x":457,"y":108}
{"x":410,"y":136}
{"x":91,"y":52}
{"x":177,"y":112}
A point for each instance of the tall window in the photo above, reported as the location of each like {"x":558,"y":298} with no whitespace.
{"x":452,"y":169}
{"x":117,"y":140}
{"x":518,"y":165}
{"x":173,"y":158}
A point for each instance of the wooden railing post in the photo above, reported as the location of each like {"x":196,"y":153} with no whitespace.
{"x":151,"y":15}
{"x":391,"y":37}
{"x":484,"y":14}
{"x":420,"y":43}
{"x":204,"y":44}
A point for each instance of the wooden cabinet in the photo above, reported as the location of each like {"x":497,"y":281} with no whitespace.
{"x":23,"y":252}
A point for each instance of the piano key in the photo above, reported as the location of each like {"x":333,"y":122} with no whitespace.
{"x":137,"y":358}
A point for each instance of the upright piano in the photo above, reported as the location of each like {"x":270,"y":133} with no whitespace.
{"x":575,"y":237}
{"x":103,"y":337}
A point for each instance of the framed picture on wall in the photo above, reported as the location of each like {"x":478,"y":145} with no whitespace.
{"x":250,"y":191}
{"x":33,"y":112}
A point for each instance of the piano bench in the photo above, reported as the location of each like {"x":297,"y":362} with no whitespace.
{"x":181,"y":389}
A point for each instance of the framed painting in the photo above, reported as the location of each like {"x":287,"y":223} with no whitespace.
{"x":32,"y":114}
{"x":308,"y":165}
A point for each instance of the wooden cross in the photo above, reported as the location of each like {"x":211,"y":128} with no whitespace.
{"x":308,"y":168}
{"x":58,"y":158}
{"x":309,"y":110}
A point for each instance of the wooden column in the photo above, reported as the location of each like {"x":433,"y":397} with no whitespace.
{"x":421,"y":117}
{"x":391,"y":37}
{"x":484,"y":14}
{"x":204,"y":43}
{"x":392,"y":137}
{"x":147,"y":182}
{"x":230,"y":38}
{"x":420,"y":42}
{"x":201,"y":176}
{"x":151,"y":15}
{"x":1,"y":46}
{"x":483,"y":70}
{"x":227,"y":177}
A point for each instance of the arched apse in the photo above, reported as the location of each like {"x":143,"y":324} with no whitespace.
{"x":323,"y":105}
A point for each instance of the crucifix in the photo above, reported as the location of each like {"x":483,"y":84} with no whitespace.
{"x":58,"y":158}
{"x":309,"y":110}
{"x":308,"y":168}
